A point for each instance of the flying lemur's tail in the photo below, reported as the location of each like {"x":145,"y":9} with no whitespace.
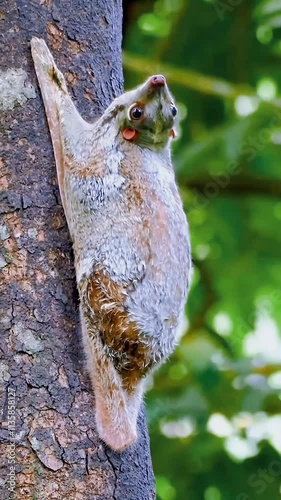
{"x":116,"y":410}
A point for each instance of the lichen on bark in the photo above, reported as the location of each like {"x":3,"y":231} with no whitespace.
{"x":14,"y":88}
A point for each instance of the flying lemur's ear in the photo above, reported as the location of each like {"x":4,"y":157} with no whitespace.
{"x":130,"y":134}
{"x":173,"y":133}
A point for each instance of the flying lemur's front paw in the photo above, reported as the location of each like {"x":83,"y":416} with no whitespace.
{"x":43,"y":60}
{"x":41,"y":53}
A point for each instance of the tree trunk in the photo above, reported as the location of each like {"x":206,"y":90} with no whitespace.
{"x":53,"y":447}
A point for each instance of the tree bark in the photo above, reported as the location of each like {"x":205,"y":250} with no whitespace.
{"x":42,"y":371}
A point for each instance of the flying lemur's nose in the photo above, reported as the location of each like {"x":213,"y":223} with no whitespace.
{"x":157,"y":81}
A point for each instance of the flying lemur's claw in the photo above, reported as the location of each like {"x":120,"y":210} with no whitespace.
{"x":43,"y":60}
{"x":129,"y":233}
{"x":41,"y":53}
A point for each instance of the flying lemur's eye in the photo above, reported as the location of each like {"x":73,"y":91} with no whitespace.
{"x":136,"y":113}
{"x":174,"y":110}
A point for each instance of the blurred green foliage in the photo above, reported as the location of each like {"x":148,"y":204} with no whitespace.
{"x":214,"y":409}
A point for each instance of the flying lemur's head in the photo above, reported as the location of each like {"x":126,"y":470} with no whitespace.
{"x":145,"y":115}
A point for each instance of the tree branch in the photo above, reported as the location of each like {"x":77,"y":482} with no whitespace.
{"x":239,"y":186}
{"x":191,"y":79}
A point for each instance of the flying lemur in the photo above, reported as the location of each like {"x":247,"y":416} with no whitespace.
{"x":130,"y":237}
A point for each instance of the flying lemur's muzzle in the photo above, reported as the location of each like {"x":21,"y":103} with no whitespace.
{"x":156,"y":85}
{"x":157,"y":81}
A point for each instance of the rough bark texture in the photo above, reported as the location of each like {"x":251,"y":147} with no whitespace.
{"x":58,"y":453}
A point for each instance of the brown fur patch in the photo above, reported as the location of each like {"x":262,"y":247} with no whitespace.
{"x":92,"y":169}
{"x":125,"y":344}
{"x":110,"y":116}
